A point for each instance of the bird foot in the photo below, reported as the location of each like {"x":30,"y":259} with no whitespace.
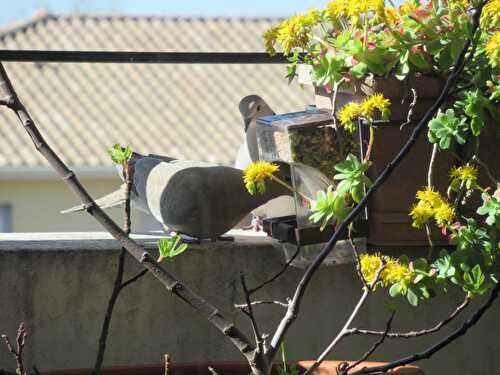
{"x":189,"y":239}
{"x":257,"y":224}
{"x":225,"y":238}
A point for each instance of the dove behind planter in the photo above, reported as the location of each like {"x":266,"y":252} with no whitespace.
{"x":199,"y":199}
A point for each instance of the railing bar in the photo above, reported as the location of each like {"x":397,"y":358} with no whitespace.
{"x":141,"y":57}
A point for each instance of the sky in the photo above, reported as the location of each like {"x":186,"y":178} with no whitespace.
{"x":12,"y":10}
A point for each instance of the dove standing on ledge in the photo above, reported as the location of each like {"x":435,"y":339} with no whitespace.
{"x":198,"y":199}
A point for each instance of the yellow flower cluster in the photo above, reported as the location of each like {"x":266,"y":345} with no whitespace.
{"x":291,"y":33}
{"x":431,"y":205}
{"x":393,"y":272}
{"x":493,"y":49}
{"x":408,"y":7}
{"x":255,"y":175}
{"x":465,"y":173}
{"x":490,"y":16}
{"x":353,"y":9}
{"x":365,"y":109}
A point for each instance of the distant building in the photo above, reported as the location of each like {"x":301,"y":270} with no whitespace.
{"x":184,"y":111}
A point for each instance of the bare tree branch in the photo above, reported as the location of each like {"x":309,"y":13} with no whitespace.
{"x":293,"y":310}
{"x":426,"y":354}
{"x":118,"y":286}
{"x":171,"y":283}
{"x":281,"y":272}
{"x":358,"y":262}
{"x":411,"y":334}
{"x":254,"y":303}
{"x":17,"y":353}
{"x":134,"y":278}
{"x":342,"y":333}
{"x":249,"y":310}
{"x":373,"y":348}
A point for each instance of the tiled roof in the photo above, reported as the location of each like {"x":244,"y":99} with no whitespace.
{"x":185,"y":111}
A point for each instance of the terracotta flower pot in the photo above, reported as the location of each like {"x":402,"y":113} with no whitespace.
{"x":222,"y":368}
{"x":398,"y":92}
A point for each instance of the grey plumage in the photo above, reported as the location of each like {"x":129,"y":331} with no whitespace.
{"x":199,"y":199}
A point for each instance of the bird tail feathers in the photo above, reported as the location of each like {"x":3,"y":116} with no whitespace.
{"x":116,"y":198}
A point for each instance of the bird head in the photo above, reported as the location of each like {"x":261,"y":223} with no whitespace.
{"x":253,"y":106}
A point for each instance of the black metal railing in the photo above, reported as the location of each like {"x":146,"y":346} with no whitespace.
{"x":119,"y":57}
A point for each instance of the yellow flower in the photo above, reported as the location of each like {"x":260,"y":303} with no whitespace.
{"x":295,"y":31}
{"x":431,"y":204}
{"x":393,"y":272}
{"x":390,"y":15}
{"x":255,"y":175}
{"x":444,"y":214}
{"x":353,"y":9}
{"x":373,"y":102}
{"x":490,"y":16}
{"x":465,"y":173}
{"x":370,"y":264}
{"x":408,"y":7}
{"x":270,"y":39}
{"x":421,"y":213}
{"x":430,"y":196}
{"x":348,"y":113}
{"x":493,"y":49}
{"x":337,"y":9}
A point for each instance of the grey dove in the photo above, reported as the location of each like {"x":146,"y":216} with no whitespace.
{"x":199,"y":199}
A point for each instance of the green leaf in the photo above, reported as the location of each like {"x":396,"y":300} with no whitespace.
{"x":120,"y":154}
{"x":170,"y":247}
{"x":412,"y":297}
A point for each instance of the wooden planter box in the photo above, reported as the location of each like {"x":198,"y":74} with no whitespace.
{"x":222,"y":368}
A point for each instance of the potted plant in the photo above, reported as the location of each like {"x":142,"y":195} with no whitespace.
{"x":351,"y":51}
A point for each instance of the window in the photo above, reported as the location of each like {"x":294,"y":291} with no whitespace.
{"x":5,"y":218}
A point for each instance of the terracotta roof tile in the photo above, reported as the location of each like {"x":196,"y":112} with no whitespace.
{"x":186,"y":111}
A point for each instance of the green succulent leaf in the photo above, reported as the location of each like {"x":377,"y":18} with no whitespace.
{"x":171,"y":247}
{"x":120,"y":154}
{"x":446,"y":128}
{"x":491,"y":208}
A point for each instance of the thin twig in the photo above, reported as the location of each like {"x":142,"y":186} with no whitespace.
{"x":254,"y":303}
{"x":411,"y":334}
{"x":281,"y":272}
{"x":426,"y":354}
{"x":430,"y":183}
{"x":374,"y":347}
{"x":358,"y":261}
{"x":334,"y":100}
{"x":167,"y":365}
{"x":291,"y":315}
{"x":134,"y":278}
{"x":409,"y":115}
{"x":17,"y":353}
{"x":486,"y":169}
{"x":249,"y":310}
{"x":345,"y":328}
{"x":117,"y":287}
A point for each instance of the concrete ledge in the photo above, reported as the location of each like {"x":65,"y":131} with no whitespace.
{"x":71,"y":241}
